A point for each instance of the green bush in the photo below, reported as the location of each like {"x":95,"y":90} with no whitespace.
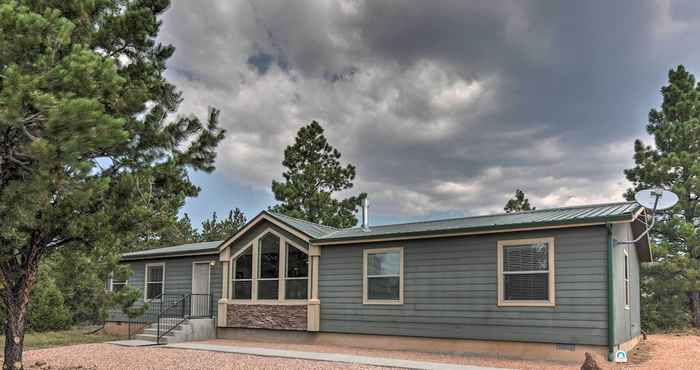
{"x":46,"y":308}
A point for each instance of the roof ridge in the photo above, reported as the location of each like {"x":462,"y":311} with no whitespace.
{"x":498,"y":214}
{"x":302,"y":220}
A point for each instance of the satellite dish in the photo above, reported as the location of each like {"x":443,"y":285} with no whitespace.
{"x":656,"y":199}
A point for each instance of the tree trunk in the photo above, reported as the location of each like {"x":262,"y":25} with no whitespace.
{"x":695,"y":308}
{"x":14,"y":335}
{"x":18,"y":280}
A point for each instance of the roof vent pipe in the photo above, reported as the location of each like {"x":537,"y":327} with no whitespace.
{"x":365,"y":214}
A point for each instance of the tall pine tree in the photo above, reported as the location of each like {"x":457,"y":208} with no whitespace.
{"x":519,"y":203}
{"x":89,"y":155}
{"x":214,"y":229}
{"x":313,"y":175}
{"x":671,"y":286}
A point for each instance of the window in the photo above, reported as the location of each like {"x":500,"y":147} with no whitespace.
{"x":155,"y":276}
{"x":268,"y":267}
{"x":383,"y":270}
{"x":271,"y":268}
{"x":117,"y":285}
{"x":526,"y":272}
{"x":243,"y":275}
{"x":296,"y":284}
{"x":627,"y":280}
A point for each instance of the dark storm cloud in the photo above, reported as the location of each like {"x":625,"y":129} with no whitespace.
{"x":443,"y":106}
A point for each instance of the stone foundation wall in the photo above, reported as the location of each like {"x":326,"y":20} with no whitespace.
{"x":265,"y":316}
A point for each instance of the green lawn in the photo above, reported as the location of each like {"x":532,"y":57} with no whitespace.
{"x":61,"y":338}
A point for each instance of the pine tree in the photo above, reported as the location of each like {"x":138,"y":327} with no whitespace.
{"x":672,"y":284}
{"x":313,"y":174}
{"x":519,"y":203}
{"x":214,"y":229}
{"x":90,"y":157}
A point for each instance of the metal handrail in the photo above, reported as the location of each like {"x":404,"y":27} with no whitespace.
{"x":188,"y":306}
{"x":171,"y":310}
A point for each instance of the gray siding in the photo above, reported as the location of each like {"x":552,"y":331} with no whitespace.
{"x":450,"y":291}
{"x":178,"y":277}
{"x":627,"y":320}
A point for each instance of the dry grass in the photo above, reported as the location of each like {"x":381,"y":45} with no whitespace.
{"x":61,"y":338}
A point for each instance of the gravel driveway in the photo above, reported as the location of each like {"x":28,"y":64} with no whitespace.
{"x":668,"y":351}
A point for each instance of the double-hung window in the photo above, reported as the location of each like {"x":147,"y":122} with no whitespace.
{"x":383,"y":276}
{"x":117,"y":285}
{"x":155,"y":279}
{"x":526,"y":272}
{"x":243,"y":275}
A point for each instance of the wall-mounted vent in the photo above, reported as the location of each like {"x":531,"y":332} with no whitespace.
{"x":566,"y":347}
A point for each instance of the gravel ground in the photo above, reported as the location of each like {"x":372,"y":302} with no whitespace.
{"x":108,"y":357}
{"x":662,"y":351}
{"x":659,"y":352}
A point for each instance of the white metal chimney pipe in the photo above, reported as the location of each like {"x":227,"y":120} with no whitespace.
{"x":365,"y":214}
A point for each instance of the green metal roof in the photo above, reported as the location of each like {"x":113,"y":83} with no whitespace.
{"x":311,"y":229}
{"x":193,"y":248}
{"x":320,"y":234}
{"x":599,"y":213}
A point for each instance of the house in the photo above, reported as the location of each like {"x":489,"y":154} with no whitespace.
{"x":549,"y":283}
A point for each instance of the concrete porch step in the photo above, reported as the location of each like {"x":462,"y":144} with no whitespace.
{"x":153,"y":331}
{"x":152,"y":338}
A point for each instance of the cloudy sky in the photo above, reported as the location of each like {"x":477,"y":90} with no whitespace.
{"x":445,"y":107}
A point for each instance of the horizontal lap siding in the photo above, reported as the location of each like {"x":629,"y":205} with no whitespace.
{"x":450,"y":291}
{"x":178,"y":277}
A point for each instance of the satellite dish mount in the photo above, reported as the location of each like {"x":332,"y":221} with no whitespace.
{"x":654,"y":200}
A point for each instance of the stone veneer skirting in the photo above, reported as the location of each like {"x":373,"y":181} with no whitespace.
{"x":267,"y":316}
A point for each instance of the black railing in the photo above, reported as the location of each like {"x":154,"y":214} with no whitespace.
{"x":168,"y":311}
{"x":187,"y":306}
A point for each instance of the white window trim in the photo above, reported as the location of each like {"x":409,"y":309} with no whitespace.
{"x":281,"y":277}
{"x":626,"y":279}
{"x":111,"y":284}
{"x":550,"y":302}
{"x":366,"y":253}
{"x":145,"y":281}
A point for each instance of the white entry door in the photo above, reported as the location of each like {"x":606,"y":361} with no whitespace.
{"x":200,"y":289}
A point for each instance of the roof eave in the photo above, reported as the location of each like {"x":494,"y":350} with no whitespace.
{"x":477,"y":230}
{"x":169,"y":255}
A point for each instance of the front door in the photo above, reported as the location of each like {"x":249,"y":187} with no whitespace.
{"x":200,"y":289}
